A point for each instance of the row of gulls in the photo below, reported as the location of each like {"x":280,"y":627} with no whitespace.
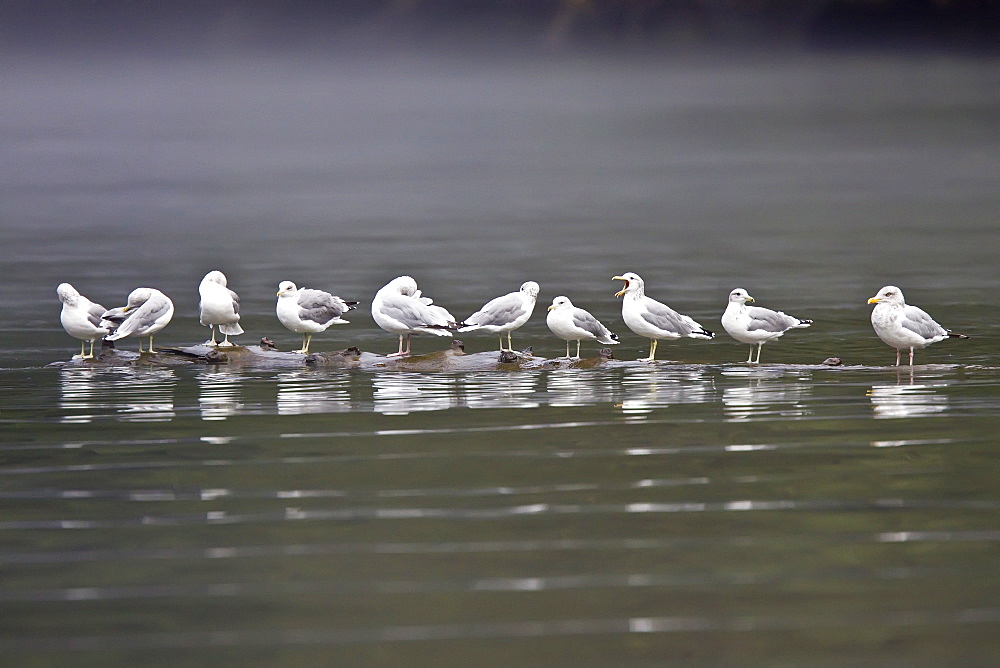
{"x":402,"y":309}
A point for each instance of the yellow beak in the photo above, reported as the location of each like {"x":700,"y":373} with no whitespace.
{"x":551,"y":307}
{"x":750,"y":299}
{"x":874,"y":300}
{"x":622,"y":291}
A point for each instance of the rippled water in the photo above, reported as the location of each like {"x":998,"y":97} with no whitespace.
{"x":695,"y":511}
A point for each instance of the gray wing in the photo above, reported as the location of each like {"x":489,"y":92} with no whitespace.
{"x":917,"y":320}
{"x":236,"y":301}
{"x":320,"y":307}
{"x":144,"y":316}
{"x":662,"y":316}
{"x":499,"y":312}
{"x":408,"y":311}
{"x":590,"y":324}
{"x":770,"y":321}
{"x":115,"y":315}
{"x":94,"y":314}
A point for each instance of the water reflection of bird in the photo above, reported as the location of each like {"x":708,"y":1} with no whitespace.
{"x":309,"y":312}
{"x":82,"y":319}
{"x":652,"y":319}
{"x":754,"y":324}
{"x":219,"y":306}
{"x":504,"y":314}
{"x":574,"y":324}
{"x":400,"y":308}
{"x":901,"y":325}
{"x":147,"y":312}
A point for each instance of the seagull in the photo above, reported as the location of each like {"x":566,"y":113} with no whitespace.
{"x":400,"y":308}
{"x":652,"y":319}
{"x":219,"y":306}
{"x":147,"y":312}
{"x":309,"y":311}
{"x":573,"y":324}
{"x":504,"y":314}
{"x":81,"y":318}
{"x":753,"y":324}
{"x":903,"y":326}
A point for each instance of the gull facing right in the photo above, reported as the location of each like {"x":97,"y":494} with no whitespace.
{"x":754,"y":324}
{"x":903,"y":326}
{"x":504,"y":314}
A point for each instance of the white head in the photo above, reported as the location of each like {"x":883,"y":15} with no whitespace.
{"x":740,"y":296}
{"x":530,"y":288}
{"x":215,"y":277}
{"x":890,"y":294}
{"x":560,"y":302}
{"x":632,"y":284}
{"x":67,"y":294}
{"x":286,"y":289}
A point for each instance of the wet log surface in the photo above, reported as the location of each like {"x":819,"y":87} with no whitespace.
{"x":267,"y":357}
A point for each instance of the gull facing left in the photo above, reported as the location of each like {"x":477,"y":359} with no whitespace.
{"x":571,"y":323}
{"x":903,"y":326}
{"x":754,"y":324}
{"x":309,"y":312}
{"x":654,"y":320}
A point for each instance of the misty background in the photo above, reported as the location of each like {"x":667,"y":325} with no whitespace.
{"x":809,"y":147}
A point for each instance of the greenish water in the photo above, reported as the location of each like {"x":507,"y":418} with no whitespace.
{"x":697,"y":511}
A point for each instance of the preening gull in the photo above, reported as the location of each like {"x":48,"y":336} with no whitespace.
{"x":82,"y":319}
{"x":400,"y":308}
{"x":652,"y":319}
{"x":219,"y":306}
{"x":574,"y":324}
{"x":903,"y":326}
{"x":309,"y":311}
{"x":147,"y":312}
{"x":756,"y":325}
{"x":504,"y":314}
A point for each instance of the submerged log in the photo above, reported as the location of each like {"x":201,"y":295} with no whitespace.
{"x":266,"y":356}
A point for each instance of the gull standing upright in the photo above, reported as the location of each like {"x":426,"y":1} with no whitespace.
{"x":400,"y":308}
{"x":570,"y":323}
{"x":219,"y":306}
{"x":903,"y":326}
{"x":147,"y":312}
{"x":504,"y":314}
{"x":754,"y":324}
{"x":82,"y":319}
{"x":652,"y":319}
{"x":309,"y":312}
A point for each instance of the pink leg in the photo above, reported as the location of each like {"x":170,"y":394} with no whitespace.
{"x":897,"y":356}
{"x":911,"y":356}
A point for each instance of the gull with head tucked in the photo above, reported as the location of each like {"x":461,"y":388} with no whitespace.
{"x":82,"y":319}
{"x":903,"y":326}
{"x":147,"y":312}
{"x":400,"y":308}
{"x":652,"y":319}
{"x":219,"y":306}
{"x":754,"y":324}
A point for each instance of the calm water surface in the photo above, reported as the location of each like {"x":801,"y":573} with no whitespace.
{"x":695,"y":511}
